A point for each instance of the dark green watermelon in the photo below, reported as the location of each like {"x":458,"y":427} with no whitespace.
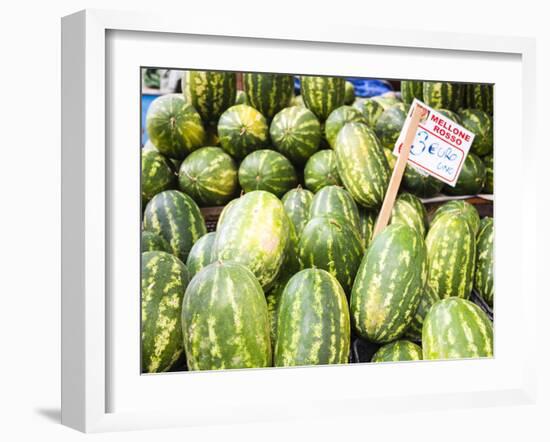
{"x":411,"y":89}
{"x":201,"y":254}
{"x":471,"y":179}
{"x":268,"y":93}
{"x":151,"y":241}
{"x":481,"y":124}
{"x":321,"y":171}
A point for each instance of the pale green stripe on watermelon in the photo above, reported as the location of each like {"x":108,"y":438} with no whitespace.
{"x":297,"y":203}
{"x":370,"y":109}
{"x":484,"y":274}
{"x":443,"y":95}
{"x":336,"y":201}
{"x":459,"y":207}
{"x":321,"y":171}
{"x":367,"y":220}
{"x":401,"y":350}
{"x":338,"y":118}
{"x":201,"y":254}
{"x":157,"y":174}
{"x":323,"y":94}
{"x":411,"y":89}
{"x":268,"y":93}
{"x":409,"y":210}
{"x":273,"y":299}
{"x":151,"y":241}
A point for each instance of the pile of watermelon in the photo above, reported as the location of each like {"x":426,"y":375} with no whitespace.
{"x":291,"y":274}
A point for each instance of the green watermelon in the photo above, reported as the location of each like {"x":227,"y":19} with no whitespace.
{"x":411,"y":89}
{"x":151,"y":241}
{"x":174,"y":126}
{"x":176,"y":217}
{"x":479,"y":96}
{"x":313,"y":326}
{"x":298,"y":100}
{"x":450,"y":115}
{"x":242,"y":129}
{"x":255,"y":233}
{"x":389,"y":124}
{"x":163,"y":281}
{"x":471,"y":179}
{"x":400,"y":350}
{"x":296,"y":133}
{"x":201,"y":254}
{"x":273,"y":299}
{"x":321,"y":171}
{"x":481,"y":124}
{"x":150,"y":146}
{"x":443,"y":95}
{"x":362,"y":165}
{"x":323,"y":94}
{"x":367,"y":220}
{"x":419,"y":184}
{"x":484,"y":273}
{"x":224,"y":319}
{"x":241,"y":98}
{"x":297,"y":203}
{"x":349,"y":94}
{"x":409,"y":210}
{"x":338,"y":118}
{"x":456,"y":328}
{"x":211,"y":137}
{"x":331,"y":243}
{"x":210,"y":92}
{"x":291,"y":261}
{"x":336,"y":201}
{"x":157,"y":174}
{"x":459,"y":207}
{"x":428,"y":298}
{"x":267,"y":170}
{"x":390,"y":157}
{"x":388,"y":100}
{"x":370,"y":109}
{"x":227,"y":208}
{"x":268,"y":93}
{"x":451,"y":248}
{"x":389,"y":283}
{"x":209,"y":176}
{"x":488,"y":161}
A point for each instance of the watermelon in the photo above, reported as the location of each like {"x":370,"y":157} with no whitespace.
{"x":409,"y":210}
{"x":209,"y":176}
{"x":471,"y":179}
{"x":210,"y":92}
{"x":456,"y":328}
{"x":331,"y":243}
{"x":443,"y":95}
{"x":242,"y":129}
{"x":298,"y":100}
{"x":388,"y":285}
{"x":267,"y":170}
{"x":313,"y":325}
{"x":336,"y":201}
{"x":419,"y":184}
{"x":362,"y":165}
{"x":296,"y":133}
{"x":241,"y":97}
{"x":488,"y":161}
{"x":453,"y":116}
{"x":400,"y":350}
{"x":459,"y":207}
{"x":370,"y":109}
{"x":349,"y":94}
{"x":387,"y":99}
{"x":268,"y":93}
{"x":163,"y":281}
{"x":428,"y":298}
{"x":321,"y":171}
{"x":211,"y":137}
{"x":297,"y":203}
{"x":255,"y":233}
{"x":174,"y":126}
{"x":150,"y":146}
{"x":390,"y":157}
{"x":273,"y":299}
{"x":201,"y":254}
{"x":338,"y":118}
{"x":176,"y":217}
{"x":389,"y":124}
{"x":481,"y":124}
{"x":291,"y":261}
{"x":367,"y":220}
{"x":479,"y":96}
{"x":484,"y":273}
{"x":323,"y":94}
{"x":157,"y":174}
{"x":150,"y":241}
{"x":411,"y":89}
{"x":451,"y":248}
{"x":224,"y":319}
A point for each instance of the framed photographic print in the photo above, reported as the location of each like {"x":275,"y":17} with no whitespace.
{"x":247,"y":225}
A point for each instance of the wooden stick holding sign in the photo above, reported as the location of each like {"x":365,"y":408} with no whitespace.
{"x":398,"y":170}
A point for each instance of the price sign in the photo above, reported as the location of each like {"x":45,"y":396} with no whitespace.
{"x":440,"y":145}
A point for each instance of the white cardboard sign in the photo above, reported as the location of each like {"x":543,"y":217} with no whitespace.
{"x":440,"y":145}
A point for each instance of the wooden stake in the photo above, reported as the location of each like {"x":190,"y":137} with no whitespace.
{"x":398,"y":170}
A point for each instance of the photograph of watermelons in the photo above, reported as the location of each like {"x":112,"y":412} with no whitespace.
{"x":260,"y":193}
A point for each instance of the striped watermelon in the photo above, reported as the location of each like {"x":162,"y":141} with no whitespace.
{"x":211,"y":137}
{"x":332,"y":244}
{"x":242,"y":129}
{"x":268,"y":93}
{"x":273,"y":299}
{"x":367,"y":220}
{"x":411,"y":89}
{"x":313,"y":326}
{"x":390,"y":157}
{"x":389,"y":124}
{"x":210,"y":92}
{"x":241,"y":97}
{"x":291,"y":261}
{"x":443,"y":95}
{"x":479,"y":96}
{"x":389,"y":283}
{"x":459,"y":207}
{"x":296,"y":133}
{"x":370,"y":109}
{"x":362,"y":165}
{"x":335,"y":201}
{"x":338,"y":118}
{"x":451,"y":248}
{"x":471,"y":179}
{"x":209,"y":176}
{"x":484,"y":273}
{"x":323,"y":94}
{"x":409,"y":210}
{"x":174,"y":126}
{"x":297,"y":203}
{"x":423,"y":186}
{"x":227,"y":208}
{"x":453,"y":116}
{"x":298,"y":100}
{"x":255,"y":233}
{"x":456,"y":328}
{"x":400,"y":350}
{"x":150,"y":146}
{"x":157,"y":174}
{"x":267,"y":170}
{"x":163,"y":281}
{"x":201,"y":254}
{"x":388,"y":99}
{"x":321,"y":171}
{"x":488,"y":161}
{"x":349,"y":93}
{"x":481,"y":124}
{"x":150,"y":241}
{"x":428,"y":298}
{"x":176,"y":217}
{"x":224,"y":319}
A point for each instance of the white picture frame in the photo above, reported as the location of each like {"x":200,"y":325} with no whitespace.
{"x":92,"y":181}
